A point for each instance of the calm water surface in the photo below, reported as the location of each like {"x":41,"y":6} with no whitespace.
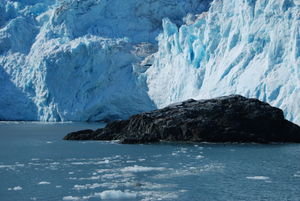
{"x":36,"y":164}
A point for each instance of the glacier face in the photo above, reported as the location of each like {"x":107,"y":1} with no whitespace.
{"x":247,"y":47}
{"x":64,"y":60}
{"x":79,"y":60}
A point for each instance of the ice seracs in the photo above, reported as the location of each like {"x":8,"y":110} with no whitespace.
{"x":69,"y":60}
{"x":75,"y":60}
{"x":238,"y":47}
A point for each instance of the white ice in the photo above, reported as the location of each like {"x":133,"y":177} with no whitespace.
{"x":250,"y":48}
{"x":137,"y":168}
{"x":116,"y":194}
{"x":44,"y":183}
{"x":98,"y":59}
{"x":63,"y":60}
{"x":16,"y":188}
{"x":258,"y":178}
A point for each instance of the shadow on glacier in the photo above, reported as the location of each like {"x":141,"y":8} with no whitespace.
{"x":140,"y":21}
{"x":14,"y":103}
{"x":96,"y":82}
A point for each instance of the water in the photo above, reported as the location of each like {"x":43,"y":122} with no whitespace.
{"x":35,"y":164}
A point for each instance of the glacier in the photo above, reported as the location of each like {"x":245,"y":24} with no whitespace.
{"x":89,"y":60}
{"x":71,"y":60}
{"x":249,"y":47}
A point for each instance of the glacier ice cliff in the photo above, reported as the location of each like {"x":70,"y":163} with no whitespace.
{"x":86,"y":60}
{"x":79,"y":60}
{"x":247,"y":47}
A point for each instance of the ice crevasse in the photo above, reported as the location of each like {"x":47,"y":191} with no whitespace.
{"x":247,"y":47}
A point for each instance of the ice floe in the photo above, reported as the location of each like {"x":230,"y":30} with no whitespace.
{"x":16,"y":188}
{"x":71,"y":198}
{"x":116,"y":194}
{"x":44,"y":183}
{"x":137,"y":168}
{"x":258,"y":177}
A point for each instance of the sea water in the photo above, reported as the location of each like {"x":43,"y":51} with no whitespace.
{"x":36,"y":164}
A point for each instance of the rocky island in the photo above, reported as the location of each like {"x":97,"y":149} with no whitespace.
{"x":225,"y":119}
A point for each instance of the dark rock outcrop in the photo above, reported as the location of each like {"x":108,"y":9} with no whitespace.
{"x":81,"y":135}
{"x":224,"y":119}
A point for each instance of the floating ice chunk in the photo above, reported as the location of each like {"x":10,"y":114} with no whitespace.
{"x":111,"y":176}
{"x":12,"y":166}
{"x":17,"y":188}
{"x":79,"y":163}
{"x":199,"y":157}
{"x":44,"y":183}
{"x":130,"y":161}
{"x":258,"y":178}
{"x":91,"y":162}
{"x":188,"y":171}
{"x":158,"y":195}
{"x":116,"y":194}
{"x":85,"y":178}
{"x":6,"y":166}
{"x":71,"y":198}
{"x":137,"y":168}
{"x":103,"y":170}
{"x":150,"y":185}
{"x":87,"y":186}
